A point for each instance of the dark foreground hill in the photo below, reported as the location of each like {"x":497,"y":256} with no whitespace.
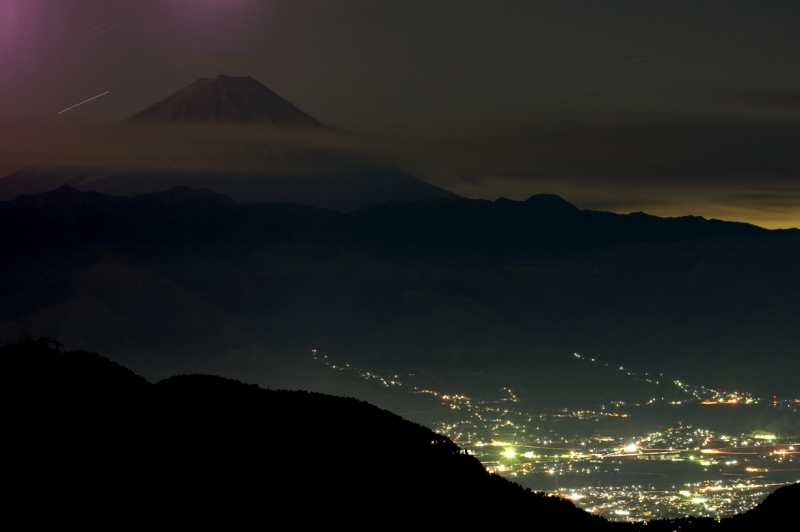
{"x":93,"y":442}
{"x":174,"y":281}
{"x":92,"y":438}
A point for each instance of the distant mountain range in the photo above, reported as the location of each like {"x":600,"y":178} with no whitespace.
{"x":94,"y":442}
{"x":287,"y":174}
{"x":188,"y":280}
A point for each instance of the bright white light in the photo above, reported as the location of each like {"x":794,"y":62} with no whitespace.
{"x":632,"y":448}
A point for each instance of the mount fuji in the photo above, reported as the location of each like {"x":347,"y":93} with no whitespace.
{"x":279,"y":172}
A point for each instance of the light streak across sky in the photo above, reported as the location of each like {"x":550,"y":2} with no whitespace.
{"x":83,"y":102}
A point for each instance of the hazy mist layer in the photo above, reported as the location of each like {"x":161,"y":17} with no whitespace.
{"x":742,"y":170}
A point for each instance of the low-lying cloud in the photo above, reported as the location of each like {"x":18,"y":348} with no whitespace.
{"x":733,"y":169}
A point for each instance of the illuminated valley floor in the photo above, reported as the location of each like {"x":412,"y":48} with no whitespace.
{"x":671,"y":472}
{"x":638,"y":503}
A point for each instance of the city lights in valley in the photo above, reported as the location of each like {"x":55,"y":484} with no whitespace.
{"x":730,"y":472}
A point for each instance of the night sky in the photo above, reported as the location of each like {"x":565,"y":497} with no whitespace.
{"x":670,"y":107}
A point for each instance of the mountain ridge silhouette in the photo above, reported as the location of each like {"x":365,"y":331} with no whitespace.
{"x":473,"y":283}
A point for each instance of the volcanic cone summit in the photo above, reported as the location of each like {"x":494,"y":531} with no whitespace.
{"x":231,"y":100}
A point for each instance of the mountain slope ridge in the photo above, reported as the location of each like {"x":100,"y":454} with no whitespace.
{"x":210,"y":445}
{"x":509,"y":285}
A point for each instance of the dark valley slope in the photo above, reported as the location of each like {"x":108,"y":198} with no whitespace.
{"x":301,"y":173}
{"x":95,"y":443}
{"x":188,"y":280}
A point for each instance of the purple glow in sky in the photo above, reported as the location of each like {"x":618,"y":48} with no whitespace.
{"x":26,"y":27}
{"x":405,"y":64}
{"x":55,"y":53}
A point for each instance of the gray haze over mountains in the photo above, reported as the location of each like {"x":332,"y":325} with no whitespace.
{"x":241,"y":268}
